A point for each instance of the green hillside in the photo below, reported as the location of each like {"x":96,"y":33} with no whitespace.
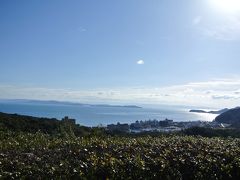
{"x":231,"y":116}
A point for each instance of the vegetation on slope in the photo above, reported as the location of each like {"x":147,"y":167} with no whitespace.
{"x":35,"y":156}
{"x":41,"y":148}
{"x":210,"y":132}
{"x":29,"y":124}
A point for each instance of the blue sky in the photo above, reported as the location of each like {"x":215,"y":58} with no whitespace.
{"x":121,"y":51}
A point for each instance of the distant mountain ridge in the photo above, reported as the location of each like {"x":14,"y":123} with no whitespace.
{"x":210,"y":112}
{"x":53,"y":102}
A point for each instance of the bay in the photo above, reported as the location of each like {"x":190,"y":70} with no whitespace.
{"x":100,"y":115}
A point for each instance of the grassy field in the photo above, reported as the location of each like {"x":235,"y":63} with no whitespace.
{"x":25,"y":155}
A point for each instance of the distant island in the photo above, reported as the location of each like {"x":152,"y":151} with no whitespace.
{"x":52,"y":102}
{"x":210,"y":112}
{"x":117,"y":106}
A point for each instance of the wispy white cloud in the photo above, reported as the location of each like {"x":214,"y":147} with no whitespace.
{"x":230,"y":30}
{"x":197,"y":20}
{"x":225,"y":28}
{"x":140,"y":62}
{"x":81,"y":29}
{"x":225,"y":97}
{"x":215,"y":93}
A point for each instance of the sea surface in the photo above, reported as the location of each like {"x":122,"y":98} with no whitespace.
{"x":94,"y":116}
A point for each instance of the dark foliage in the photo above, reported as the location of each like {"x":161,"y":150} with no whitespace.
{"x":41,"y":156}
{"x":29,"y":150}
{"x":210,"y":132}
{"x":29,"y":124}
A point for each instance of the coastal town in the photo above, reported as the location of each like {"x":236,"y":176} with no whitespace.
{"x":166,"y":125}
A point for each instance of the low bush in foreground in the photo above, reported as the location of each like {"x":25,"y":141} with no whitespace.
{"x":41,"y":156}
{"x":211,"y":132}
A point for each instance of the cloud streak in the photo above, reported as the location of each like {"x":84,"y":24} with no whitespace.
{"x":226,"y":28}
{"x":215,"y":93}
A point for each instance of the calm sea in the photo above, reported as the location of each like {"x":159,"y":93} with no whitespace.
{"x":93,"y":116}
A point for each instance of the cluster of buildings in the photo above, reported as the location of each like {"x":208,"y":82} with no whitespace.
{"x":162,"y":126}
{"x":68,"y":120}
